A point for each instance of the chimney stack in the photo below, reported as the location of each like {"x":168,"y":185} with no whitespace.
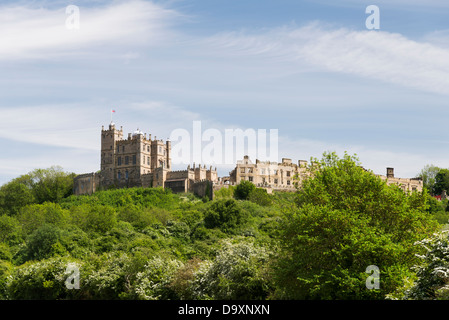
{"x":390,"y":172}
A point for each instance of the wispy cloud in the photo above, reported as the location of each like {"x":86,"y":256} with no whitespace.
{"x":384,"y":56}
{"x":28,"y":32}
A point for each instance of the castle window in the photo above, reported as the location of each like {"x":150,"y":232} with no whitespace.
{"x":148,"y":160}
{"x":288,"y":173}
{"x":250,"y":179}
{"x":119,"y":175}
{"x":160,"y":149}
{"x":288,"y":182}
{"x":123,"y":149}
{"x":134,"y":159}
{"x":119,"y":161}
{"x":148,"y":148}
{"x":126,"y":175}
{"x":275,"y":181}
{"x":126,"y":160}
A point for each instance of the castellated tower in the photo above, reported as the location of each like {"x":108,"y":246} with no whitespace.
{"x":133,"y":162}
{"x":138,"y":161}
{"x":109,"y":139}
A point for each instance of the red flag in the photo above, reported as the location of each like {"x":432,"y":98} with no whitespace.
{"x":113,"y":111}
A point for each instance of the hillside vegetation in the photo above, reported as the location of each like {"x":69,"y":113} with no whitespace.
{"x":148,"y":243}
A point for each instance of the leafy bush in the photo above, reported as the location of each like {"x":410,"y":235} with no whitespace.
{"x":225,"y":192}
{"x":153,"y":283}
{"x":237,"y":272}
{"x":94,"y":218}
{"x":225,"y":214}
{"x":34,"y":216}
{"x":347,"y":219}
{"x":42,"y":280}
{"x":10,"y":230}
{"x":432,"y":273}
{"x":243,"y":190}
{"x":44,"y":243}
{"x":260,"y":196}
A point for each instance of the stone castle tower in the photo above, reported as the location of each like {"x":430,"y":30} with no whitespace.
{"x":139,"y":161}
{"x":125,"y":162}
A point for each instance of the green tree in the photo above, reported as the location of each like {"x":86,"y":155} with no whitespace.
{"x":432,"y":271}
{"x":441,"y":182}
{"x":243,"y":190}
{"x":237,"y":272}
{"x":348,"y":219}
{"x":41,"y":280}
{"x":260,"y":196}
{"x":428,"y":175}
{"x":437,"y":208}
{"x":38,"y":186}
{"x":44,"y":243}
{"x":10,"y":230}
{"x":225,"y":214}
{"x":33,"y":216}
{"x":15,"y":195}
{"x":94,"y":218}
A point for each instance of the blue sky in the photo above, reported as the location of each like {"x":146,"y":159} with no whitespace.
{"x":310,"y":69}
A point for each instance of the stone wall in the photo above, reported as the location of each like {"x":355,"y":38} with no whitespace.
{"x":203,"y":188}
{"x":86,"y":183}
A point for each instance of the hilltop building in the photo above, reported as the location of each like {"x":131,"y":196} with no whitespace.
{"x":273,"y":176}
{"x":407,"y":184}
{"x":140,"y":161}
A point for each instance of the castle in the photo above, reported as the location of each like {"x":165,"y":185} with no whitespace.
{"x":139,"y":161}
{"x":275,"y":176}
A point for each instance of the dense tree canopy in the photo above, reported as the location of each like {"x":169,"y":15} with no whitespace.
{"x":441,"y":182}
{"x":148,"y":243}
{"x":348,"y":219}
{"x":38,"y":186}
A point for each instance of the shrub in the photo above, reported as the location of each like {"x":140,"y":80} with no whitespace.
{"x":237,"y":272}
{"x":42,"y":280}
{"x":260,"y":196}
{"x":243,"y":190}
{"x":226,"y":215}
{"x":153,"y":283}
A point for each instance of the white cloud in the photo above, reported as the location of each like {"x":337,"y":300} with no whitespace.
{"x":78,"y":125}
{"x":42,"y":33}
{"x":384,"y":56}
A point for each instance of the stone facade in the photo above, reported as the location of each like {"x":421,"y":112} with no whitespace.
{"x":407,"y":184}
{"x":273,"y":176}
{"x":138,"y":161}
